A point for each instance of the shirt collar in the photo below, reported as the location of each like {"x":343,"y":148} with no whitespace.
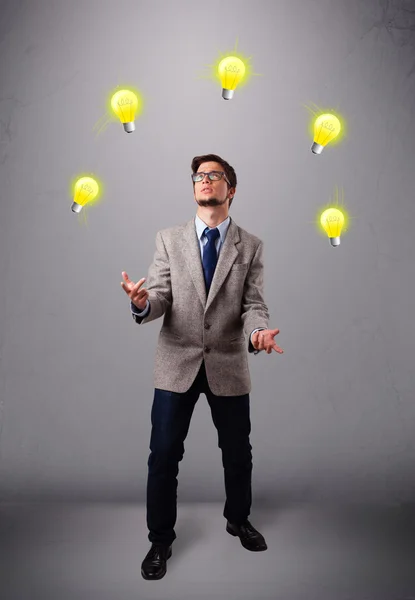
{"x":222,"y":227}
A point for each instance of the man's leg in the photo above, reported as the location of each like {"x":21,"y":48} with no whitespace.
{"x":170,"y":418}
{"x":231,"y":417}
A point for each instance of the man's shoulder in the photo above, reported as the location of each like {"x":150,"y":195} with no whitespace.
{"x":172,"y":230}
{"x":246,"y":236}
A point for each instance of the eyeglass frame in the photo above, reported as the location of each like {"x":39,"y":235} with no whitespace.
{"x":208,"y":173}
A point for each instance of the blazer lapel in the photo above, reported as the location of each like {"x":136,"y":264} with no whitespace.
{"x":193,"y":260}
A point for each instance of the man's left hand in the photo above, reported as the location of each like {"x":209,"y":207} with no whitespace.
{"x":264,"y":340}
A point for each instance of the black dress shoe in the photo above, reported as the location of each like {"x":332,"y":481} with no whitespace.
{"x":250,"y":538}
{"x":154,"y":565}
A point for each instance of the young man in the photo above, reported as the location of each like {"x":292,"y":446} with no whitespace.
{"x":207,"y":280}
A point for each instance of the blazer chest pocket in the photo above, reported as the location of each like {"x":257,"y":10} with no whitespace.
{"x":170,"y":334}
{"x":240,"y":267}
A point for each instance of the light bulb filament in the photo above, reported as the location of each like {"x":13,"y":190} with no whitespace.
{"x":233,"y":68}
{"x":328,"y":125}
{"x":124,"y":101}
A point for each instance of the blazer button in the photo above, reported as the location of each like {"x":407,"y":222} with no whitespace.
{"x":207,"y":326}
{"x":207,"y":349}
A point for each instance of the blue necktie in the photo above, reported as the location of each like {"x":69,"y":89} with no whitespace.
{"x":210,"y":257}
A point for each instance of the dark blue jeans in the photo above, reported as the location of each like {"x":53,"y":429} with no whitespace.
{"x":170,"y":418}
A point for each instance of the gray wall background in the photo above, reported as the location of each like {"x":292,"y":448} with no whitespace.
{"x":332,"y":418}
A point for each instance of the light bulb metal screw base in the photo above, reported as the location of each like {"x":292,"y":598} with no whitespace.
{"x":129,"y":127}
{"x":76,"y":208}
{"x":317,"y":148}
{"x":227,"y":94}
{"x":335,"y":241}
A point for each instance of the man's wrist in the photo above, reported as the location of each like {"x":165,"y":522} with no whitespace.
{"x":137,"y":311}
{"x":254,"y":331}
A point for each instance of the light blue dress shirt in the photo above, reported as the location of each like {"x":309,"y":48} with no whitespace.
{"x":200,"y":228}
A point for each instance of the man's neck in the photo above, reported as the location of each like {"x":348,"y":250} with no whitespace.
{"x":212,"y":218}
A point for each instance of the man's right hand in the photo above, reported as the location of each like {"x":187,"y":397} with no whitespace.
{"x":138,"y":297}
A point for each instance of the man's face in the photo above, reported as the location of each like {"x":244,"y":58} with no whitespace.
{"x":212,"y":193}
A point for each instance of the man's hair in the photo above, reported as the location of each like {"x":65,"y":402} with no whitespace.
{"x":230,"y":171}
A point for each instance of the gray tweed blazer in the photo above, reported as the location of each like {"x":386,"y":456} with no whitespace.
{"x":215,"y":328}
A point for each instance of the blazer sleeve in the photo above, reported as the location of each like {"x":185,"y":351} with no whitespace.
{"x":158,"y":284}
{"x":254,"y":313}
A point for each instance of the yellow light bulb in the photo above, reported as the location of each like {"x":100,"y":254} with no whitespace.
{"x":125,"y":105}
{"x":326,"y":128}
{"x":230,"y":70}
{"x":332,"y":221}
{"x":85,"y":190}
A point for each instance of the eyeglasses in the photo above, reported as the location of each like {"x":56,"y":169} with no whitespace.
{"x":213,"y":176}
